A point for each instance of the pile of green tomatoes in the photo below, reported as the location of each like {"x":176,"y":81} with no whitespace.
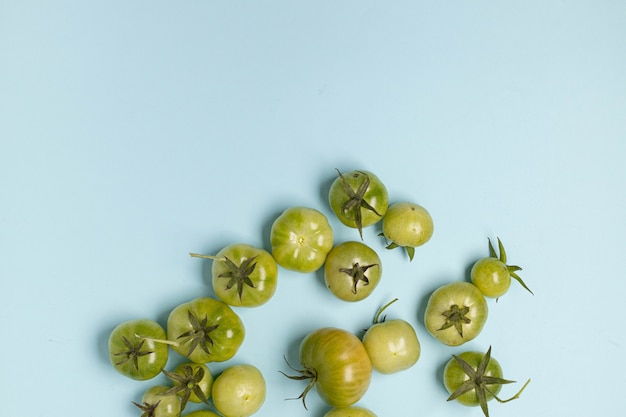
{"x":335,"y":363}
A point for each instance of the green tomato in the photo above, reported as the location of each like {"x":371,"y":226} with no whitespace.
{"x":192,"y":382}
{"x":336,"y":363}
{"x":243,"y":276}
{"x":492,"y":275}
{"x":352,"y":271}
{"x":359,"y":199}
{"x":301,"y":237}
{"x":392,"y":345}
{"x":456,"y":313}
{"x":473,"y":378}
{"x":205,"y":330}
{"x":134,"y":351}
{"x":407,"y":225}
{"x":202,"y":413}
{"x":157,"y":404}
{"x":239,"y":391}
{"x":350,"y":412}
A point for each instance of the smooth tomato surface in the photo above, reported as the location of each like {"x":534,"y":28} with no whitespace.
{"x":392,"y":346}
{"x":456,"y":313}
{"x":408,"y":224}
{"x":342,"y":368}
{"x":159,"y":405}
{"x":243,"y":275}
{"x":239,"y":391}
{"x":301,"y":237}
{"x":134,"y":352}
{"x":205,"y":330}
{"x":491,"y":276}
{"x":350,"y":412}
{"x":454,"y":376}
{"x":352,"y":271}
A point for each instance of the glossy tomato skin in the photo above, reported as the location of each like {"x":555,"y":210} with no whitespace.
{"x":342,"y":367}
{"x":352,"y":271}
{"x":458,"y":300}
{"x":254,"y":281}
{"x":220,"y":332}
{"x":164,"y":405}
{"x":202,"y":413}
{"x":408,"y":224}
{"x":239,"y":391}
{"x":301,"y":237}
{"x":134,"y":352}
{"x":454,"y":376}
{"x":392,"y":346}
{"x":491,"y":276}
{"x":375,"y":195}
{"x":350,"y":412}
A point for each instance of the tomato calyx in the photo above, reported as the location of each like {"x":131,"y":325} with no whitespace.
{"x":238,"y":275}
{"x":186,"y":382}
{"x":356,"y":200}
{"x":410,"y":250}
{"x":478,"y":381}
{"x":147,"y":409}
{"x":133,"y":353}
{"x":304,"y":374}
{"x":357,"y":272}
{"x":377,"y":318}
{"x":511,"y":268}
{"x":456,"y":317}
{"x":200,"y":335}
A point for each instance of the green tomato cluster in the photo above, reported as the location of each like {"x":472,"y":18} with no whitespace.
{"x":337,"y":363}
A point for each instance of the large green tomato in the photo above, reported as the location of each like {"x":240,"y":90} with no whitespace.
{"x":392,"y":345}
{"x":350,"y":412}
{"x":243,"y":275}
{"x":359,"y":199}
{"x":301,"y":237}
{"x":336,"y":363}
{"x":352,"y":271}
{"x":134,"y":351}
{"x":456,"y":313}
{"x":205,"y":330}
{"x":473,"y":378}
{"x":407,"y":225}
{"x":239,"y":391}
{"x":157,"y":403}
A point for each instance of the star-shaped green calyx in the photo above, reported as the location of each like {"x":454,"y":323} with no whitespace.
{"x":199,"y":335}
{"x":186,"y":382}
{"x":356,"y":200}
{"x":239,"y":275}
{"x":511,"y":268}
{"x":456,"y":317}
{"x":148,"y":409}
{"x":357,"y":272}
{"x":132,"y":353}
{"x":481,"y":383}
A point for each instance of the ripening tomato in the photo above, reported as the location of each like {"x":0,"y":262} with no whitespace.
{"x":350,"y":412}
{"x":239,"y":391}
{"x":407,"y":225}
{"x":134,"y":351}
{"x":336,"y":363}
{"x":359,"y":199}
{"x":205,"y":330}
{"x":392,"y":345}
{"x":456,"y":313}
{"x":243,"y":275}
{"x":352,"y":271}
{"x":301,"y":237}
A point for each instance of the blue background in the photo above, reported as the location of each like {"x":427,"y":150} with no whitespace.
{"x":135,"y":132}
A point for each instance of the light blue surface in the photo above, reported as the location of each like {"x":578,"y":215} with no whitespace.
{"x":135,"y":132}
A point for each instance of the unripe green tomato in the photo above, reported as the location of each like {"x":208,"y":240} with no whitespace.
{"x":454,"y":376}
{"x":239,"y":391}
{"x":392,"y":346}
{"x":205,"y":384}
{"x":491,"y":276}
{"x":160,"y":405}
{"x":202,"y":413}
{"x":352,"y":271}
{"x":350,"y":412}
{"x":407,"y":224}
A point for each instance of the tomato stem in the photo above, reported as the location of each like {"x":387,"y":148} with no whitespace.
{"x":151,"y":339}
{"x":380,"y":310}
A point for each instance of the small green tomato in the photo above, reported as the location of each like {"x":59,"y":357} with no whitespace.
{"x":392,"y":345}
{"x":353,"y":411}
{"x":407,"y":225}
{"x":157,"y":403}
{"x":239,"y":391}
